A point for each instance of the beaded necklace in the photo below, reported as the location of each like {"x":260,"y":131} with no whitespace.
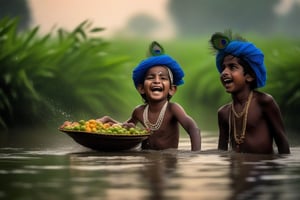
{"x":157,"y":124}
{"x":240,"y":138}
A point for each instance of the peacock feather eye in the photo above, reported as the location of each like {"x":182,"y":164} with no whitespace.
{"x":155,"y":49}
{"x":219,"y":41}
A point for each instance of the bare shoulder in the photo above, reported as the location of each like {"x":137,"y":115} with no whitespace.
{"x":136,"y":114}
{"x":138,"y":109}
{"x":224,"y":107}
{"x":224,"y":110}
{"x":176,"y":109}
{"x":174,"y":105}
{"x":263,"y":98}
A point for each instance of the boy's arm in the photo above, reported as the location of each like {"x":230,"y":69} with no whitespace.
{"x":274,"y":118}
{"x":134,"y":119}
{"x":223,"y":129}
{"x":108,"y":119}
{"x":131,"y":122}
{"x":189,"y":125}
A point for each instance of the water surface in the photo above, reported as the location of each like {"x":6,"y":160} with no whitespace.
{"x":69,"y":171}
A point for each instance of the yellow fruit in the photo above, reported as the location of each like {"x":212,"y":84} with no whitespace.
{"x":92,"y":121}
{"x":92,"y":125}
{"x":106,"y":125}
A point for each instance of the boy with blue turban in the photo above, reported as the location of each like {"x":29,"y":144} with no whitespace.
{"x":156,"y":79}
{"x":251,"y":122}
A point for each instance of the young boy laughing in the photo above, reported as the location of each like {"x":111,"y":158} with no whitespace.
{"x":251,"y":122}
{"x":156,"y":79}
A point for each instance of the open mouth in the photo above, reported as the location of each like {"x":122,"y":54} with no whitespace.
{"x":156,"y":89}
{"x":227,"y":81}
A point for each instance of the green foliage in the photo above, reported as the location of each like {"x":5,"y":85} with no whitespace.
{"x":72,"y":75}
{"x":282,"y":62}
{"x":283,"y":83}
{"x":68,"y":75}
{"x":202,"y":94}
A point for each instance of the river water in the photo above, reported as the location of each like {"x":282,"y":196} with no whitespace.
{"x":59,"y":168}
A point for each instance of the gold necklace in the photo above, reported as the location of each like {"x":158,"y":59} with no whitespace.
{"x":241,"y":114}
{"x":157,"y":124}
{"x":240,"y":138}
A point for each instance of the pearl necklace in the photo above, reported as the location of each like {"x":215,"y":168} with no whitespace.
{"x":239,"y":139}
{"x":157,"y":124}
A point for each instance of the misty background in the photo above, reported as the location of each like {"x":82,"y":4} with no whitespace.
{"x":162,"y":18}
{"x":71,"y":59}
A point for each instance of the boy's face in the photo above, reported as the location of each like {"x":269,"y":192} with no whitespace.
{"x":157,"y":84}
{"x":233,"y":76}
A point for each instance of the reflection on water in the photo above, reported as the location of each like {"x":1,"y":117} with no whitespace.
{"x":74,"y":172}
{"x":263,"y":177}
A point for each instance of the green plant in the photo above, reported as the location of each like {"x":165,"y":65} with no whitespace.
{"x":71,"y":75}
{"x":44,"y":77}
{"x":283,"y":81}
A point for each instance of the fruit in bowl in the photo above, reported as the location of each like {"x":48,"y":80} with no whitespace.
{"x":104,"y":136}
{"x":97,"y":127}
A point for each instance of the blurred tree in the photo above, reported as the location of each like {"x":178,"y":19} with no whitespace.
{"x":288,"y":21}
{"x":16,"y":8}
{"x":194,"y":17}
{"x":142,"y":24}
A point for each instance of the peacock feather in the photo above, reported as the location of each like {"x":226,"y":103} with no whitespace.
{"x":155,"y":49}
{"x":220,"y":40}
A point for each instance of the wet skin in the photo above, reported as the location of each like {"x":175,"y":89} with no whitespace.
{"x":264,"y":120}
{"x":156,"y":89}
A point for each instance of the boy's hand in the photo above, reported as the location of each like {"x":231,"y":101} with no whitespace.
{"x":128,"y":125}
{"x":107,"y":119}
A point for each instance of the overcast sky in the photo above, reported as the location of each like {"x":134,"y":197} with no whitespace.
{"x":110,"y":14}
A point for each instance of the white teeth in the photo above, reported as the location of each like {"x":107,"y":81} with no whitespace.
{"x":157,"y":89}
{"x":227,"y":80}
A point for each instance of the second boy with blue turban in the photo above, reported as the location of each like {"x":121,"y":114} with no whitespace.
{"x":252,"y":122}
{"x":248,"y":52}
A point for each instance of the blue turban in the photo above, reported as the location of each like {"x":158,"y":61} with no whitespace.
{"x":248,"y":52}
{"x":140,"y":71}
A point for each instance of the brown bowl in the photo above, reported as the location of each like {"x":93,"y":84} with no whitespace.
{"x":106,"y":142}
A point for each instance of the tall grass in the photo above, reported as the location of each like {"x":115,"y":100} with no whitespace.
{"x":71,"y":75}
{"x":202,"y":94}
{"x":283,"y":82}
{"x":56,"y":76}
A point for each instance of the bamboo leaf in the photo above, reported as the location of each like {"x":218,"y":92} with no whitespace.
{"x":95,"y":30}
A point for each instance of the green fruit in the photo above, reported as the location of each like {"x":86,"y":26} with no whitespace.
{"x":76,"y":128}
{"x":82,"y":128}
{"x":68,"y":128}
{"x":82,"y":122}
